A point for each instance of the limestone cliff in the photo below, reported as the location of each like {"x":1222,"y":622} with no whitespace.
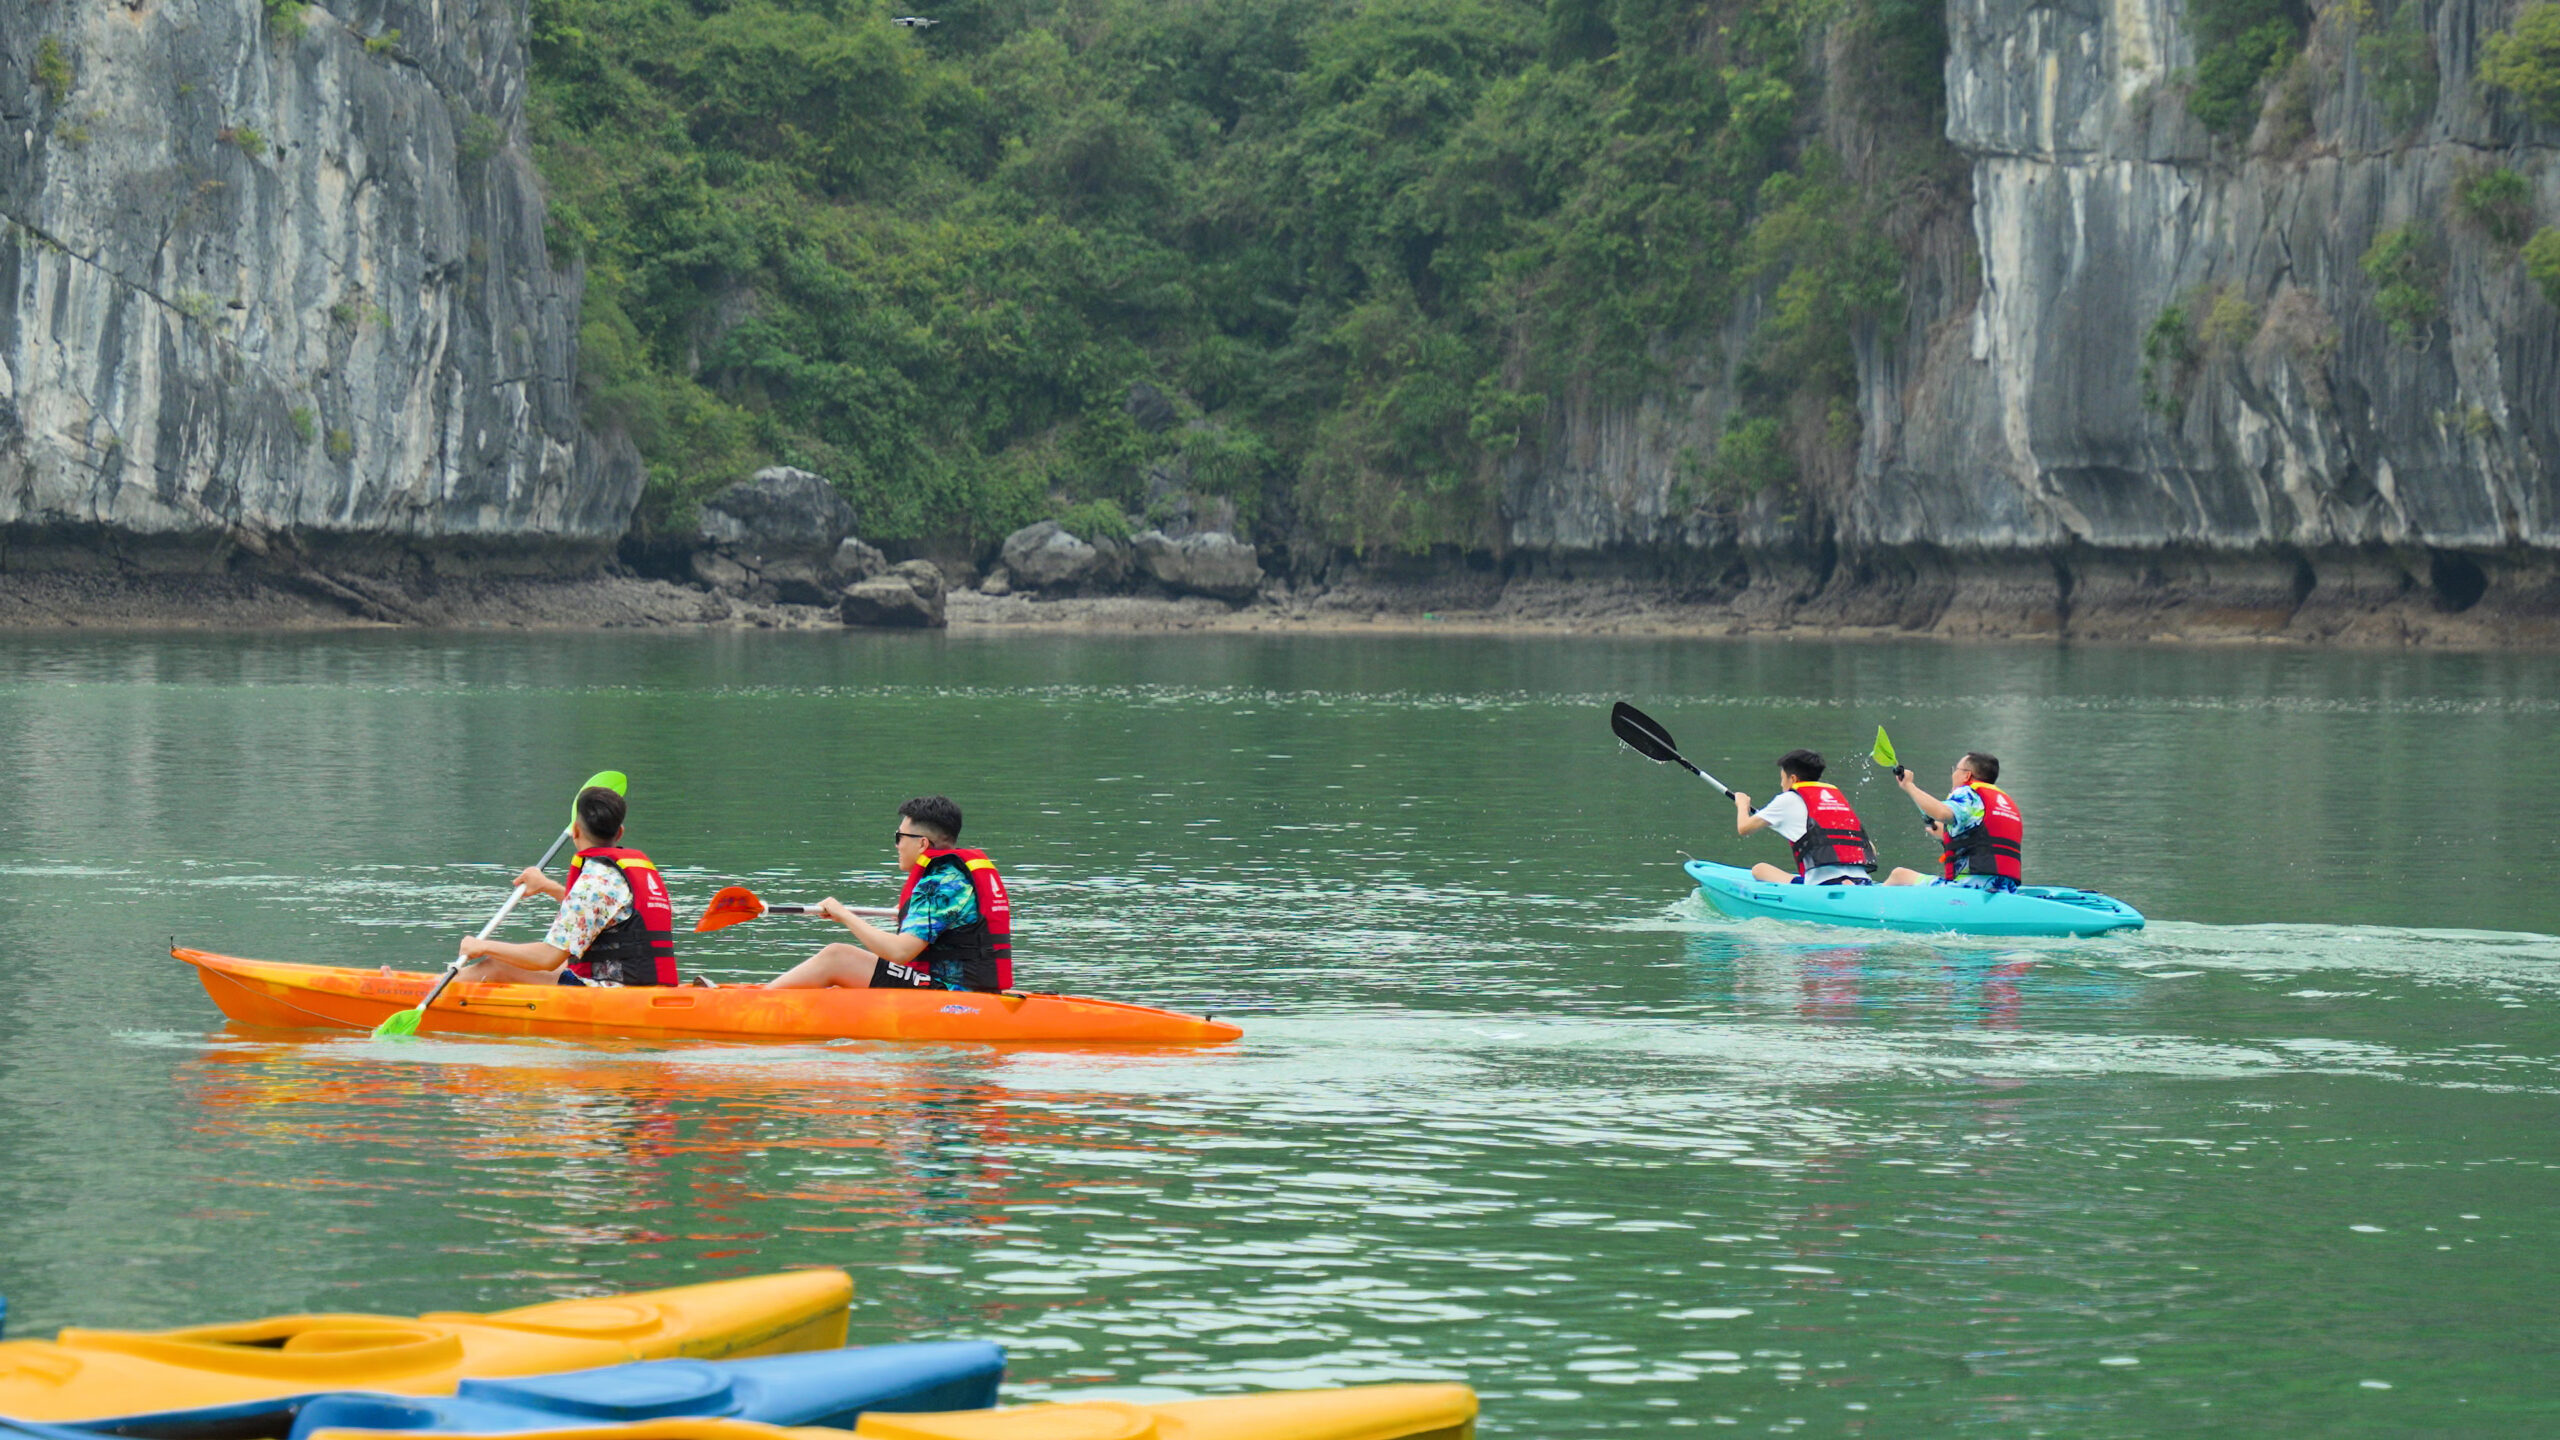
{"x":2024,"y":465}
{"x":273,"y":279}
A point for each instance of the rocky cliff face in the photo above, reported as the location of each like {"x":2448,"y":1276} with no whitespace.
{"x":273,"y":282}
{"x":2294,"y":467}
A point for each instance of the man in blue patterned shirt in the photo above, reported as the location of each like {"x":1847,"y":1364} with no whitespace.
{"x":942,"y":939}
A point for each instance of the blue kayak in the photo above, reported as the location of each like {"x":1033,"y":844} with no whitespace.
{"x":1933,"y":909}
{"x":821,"y":1387}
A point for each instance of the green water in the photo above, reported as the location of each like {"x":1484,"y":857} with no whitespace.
{"x":1511,"y":1108}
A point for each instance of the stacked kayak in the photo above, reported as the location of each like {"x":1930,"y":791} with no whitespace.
{"x":660,"y":1401}
{"x":824,"y":1387}
{"x":243,"y":1368}
{"x":1937,"y":909}
{"x":272,"y":993}
{"x":833,"y":1387}
{"x":1366,"y":1412}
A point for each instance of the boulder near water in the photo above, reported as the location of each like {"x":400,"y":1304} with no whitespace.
{"x":1213,"y":563}
{"x":780,"y":535}
{"x":908,"y":596}
{"x":1047,"y":556}
{"x":854,"y":563}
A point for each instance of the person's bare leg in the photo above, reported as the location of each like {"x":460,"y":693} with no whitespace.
{"x":485,"y":971}
{"x":846,"y":966}
{"x":1902,"y":876}
{"x":1771,"y":873}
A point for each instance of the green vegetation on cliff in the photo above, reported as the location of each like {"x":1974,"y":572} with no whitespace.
{"x":2526,"y":60}
{"x":2542,"y":262}
{"x":2408,"y":282}
{"x":2241,"y":45}
{"x":1366,"y":247}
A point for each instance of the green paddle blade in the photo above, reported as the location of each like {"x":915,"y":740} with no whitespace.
{"x":404,"y":1023}
{"x":1884,"y":750}
{"x":613,"y":780}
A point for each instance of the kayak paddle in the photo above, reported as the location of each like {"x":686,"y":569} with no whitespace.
{"x":1644,"y":735}
{"x":406,"y":1022}
{"x":736,"y":902}
{"x":1883,"y":753}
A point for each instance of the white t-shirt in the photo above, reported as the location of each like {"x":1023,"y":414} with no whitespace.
{"x":1788,"y":817}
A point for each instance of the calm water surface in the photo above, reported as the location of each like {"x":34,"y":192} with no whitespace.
{"x":1512,"y":1107}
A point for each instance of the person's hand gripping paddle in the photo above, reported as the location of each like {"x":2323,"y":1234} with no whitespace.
{"x":1644,"y":735}
{"x":736,"y":902}
{"x":406,"y":1022}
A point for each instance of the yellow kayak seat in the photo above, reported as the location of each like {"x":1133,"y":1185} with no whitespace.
{"x":85,"y":1374}
{"x":1362,"y":1412}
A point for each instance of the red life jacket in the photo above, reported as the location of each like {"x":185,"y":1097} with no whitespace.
{"x":984,"y":947}
{"x":640,"y":948}
{"x":1997,"y":846}
{"x":1832,"y":834}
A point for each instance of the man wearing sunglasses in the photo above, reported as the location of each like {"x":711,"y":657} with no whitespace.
{"x":954,"y":929}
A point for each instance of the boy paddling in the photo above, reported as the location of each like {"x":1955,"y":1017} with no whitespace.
{"x":616,"y":924}
{"x":1981,"y":836}
{"x":1817,"y":823}
{"x":954,"y":929}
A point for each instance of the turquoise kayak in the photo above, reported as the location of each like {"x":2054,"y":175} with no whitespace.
{"x":1934,"y":909}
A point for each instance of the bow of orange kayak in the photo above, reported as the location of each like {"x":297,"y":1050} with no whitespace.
{"x":85,"y":1374}
{"x":281,"y":995}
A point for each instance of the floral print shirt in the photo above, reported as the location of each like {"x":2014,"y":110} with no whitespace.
{"x":600,"y":900}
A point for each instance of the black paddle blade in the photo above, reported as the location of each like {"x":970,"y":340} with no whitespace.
{"x":1643,"y":734}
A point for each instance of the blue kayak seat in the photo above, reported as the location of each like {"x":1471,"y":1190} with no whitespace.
{"x":827,"y":1387}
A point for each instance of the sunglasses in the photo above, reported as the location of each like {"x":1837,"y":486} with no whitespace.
{"x":909,"y":835}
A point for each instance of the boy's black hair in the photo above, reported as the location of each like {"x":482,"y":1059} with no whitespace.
{"x":600,"y":814}
{"x":1802,"y":764}
{"x":936,"y":814}
{"x":1985,"y":768}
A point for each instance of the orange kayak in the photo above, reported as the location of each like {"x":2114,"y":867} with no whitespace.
{"x":96,"y":1374}
{"x":272,"y":993}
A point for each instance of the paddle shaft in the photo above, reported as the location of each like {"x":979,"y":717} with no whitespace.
{"x":494,"y":922}
{"x":1644,"y":735}
{"x":1710,"y":779}
{"x":868,"y":912}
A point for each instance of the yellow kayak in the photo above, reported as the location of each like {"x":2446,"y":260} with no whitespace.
{"x":95,"y":1374}
{"x":1365,"y":1412}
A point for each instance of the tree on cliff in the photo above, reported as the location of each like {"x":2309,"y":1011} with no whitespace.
{"x":1367,"y":245}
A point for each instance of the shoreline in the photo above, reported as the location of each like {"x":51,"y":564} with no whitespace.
{"x":77,"y":601}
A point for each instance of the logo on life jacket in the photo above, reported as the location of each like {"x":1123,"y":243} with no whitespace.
{"x":640,"y":948}
{"x":1997,"y":846}
{"x":1832,"y":834}
{"x":985,"y":948}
